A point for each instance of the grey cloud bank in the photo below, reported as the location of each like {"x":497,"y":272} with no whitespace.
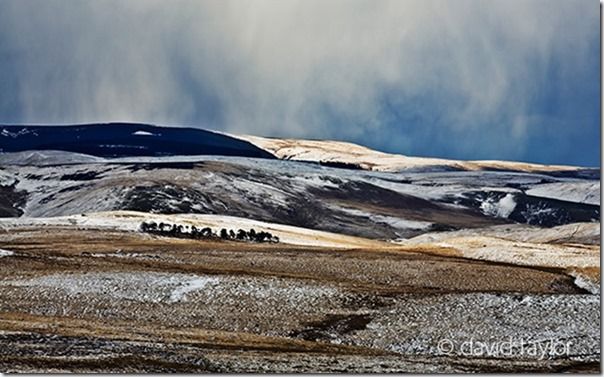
{"x":462,"y":79}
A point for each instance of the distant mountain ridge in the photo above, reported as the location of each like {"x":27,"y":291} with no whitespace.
{"x":125,"y":140}
{"x":68,"y":170}
{"x":350,"y":155}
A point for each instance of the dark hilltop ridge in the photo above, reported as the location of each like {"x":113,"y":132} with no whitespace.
{"x":125,"y":140}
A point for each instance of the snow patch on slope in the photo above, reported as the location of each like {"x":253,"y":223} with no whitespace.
{"x":46,"y":157}
{"x":578,"y":192}
{"x":23,"y":131}
{"x":7,"y":179}
{"x":587,"y":284}
{"x":395,"y":222}
{"x":499,"y":208}
{"x":145,"y":287}
{"x":174,"y":288}
{"x":180,"y":293}
{"x":143,"y":133}
{"x":6,"y":253}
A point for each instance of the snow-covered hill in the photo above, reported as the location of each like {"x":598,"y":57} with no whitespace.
{"x":131,"y":221}
{"x":351,"y":155}
{"x":68,"y":170}
{"x":581,"y":192}
{"x":382,"y":205}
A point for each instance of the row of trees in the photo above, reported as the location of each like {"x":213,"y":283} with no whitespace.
{"x":185,"y":231}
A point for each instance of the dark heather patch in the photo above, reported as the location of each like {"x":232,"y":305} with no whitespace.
{"x":371,"y":194}
{"x":340,"y":165}
{"x":587,"y":173}
{"x":34,"y":177}
{"x":47,"y":199}
{"x":73,"y":188}
{"x":332,"y":326}
{"x":591,"y":174}
{"x":11,"y":200}
{"x":167,"y":200}
{"x":534,"y":210}
{"x":165,"y":165}
{"x":80,"y":176}
{"x":374,"y":199}
{"x":552,"y":212}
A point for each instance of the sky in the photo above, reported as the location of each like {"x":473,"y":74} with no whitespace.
{"x":463,"y":79}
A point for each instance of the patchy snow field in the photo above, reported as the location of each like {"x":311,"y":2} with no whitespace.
{"x":585,"y":233}
{"x":440,"y":324}
{"x":396,"y":222}
{"x":171,"y":288}
{"x":580,"y":192}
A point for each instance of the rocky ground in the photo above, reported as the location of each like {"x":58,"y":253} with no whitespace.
{"x":86,"y":299}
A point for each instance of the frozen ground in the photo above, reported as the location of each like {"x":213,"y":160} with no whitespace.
{"x":580,"y":192}
{"x":408,"y":325}
{"x":95,"y":282}
{"x":159,"y":287}
{"x":441,"y":325}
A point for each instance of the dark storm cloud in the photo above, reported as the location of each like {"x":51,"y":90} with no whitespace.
{"x":465,"y":79}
